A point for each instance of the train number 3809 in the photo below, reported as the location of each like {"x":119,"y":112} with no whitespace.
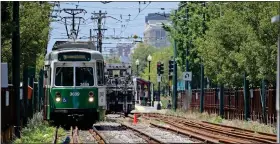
{"x":74,"y":93}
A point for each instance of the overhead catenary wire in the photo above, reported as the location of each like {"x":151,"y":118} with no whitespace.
{"x":134,"y":19}
{"x":88,"y":24}
{"x":131,"y":7}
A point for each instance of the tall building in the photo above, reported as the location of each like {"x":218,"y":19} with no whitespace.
{"x":124,"y":50}
{"x":154,"y":34}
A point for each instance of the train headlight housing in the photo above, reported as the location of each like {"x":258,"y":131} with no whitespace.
{"x":91,"y":96}
{"x":57,"y":96}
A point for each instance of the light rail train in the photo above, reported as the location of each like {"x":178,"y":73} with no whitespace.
{"x":74,"y":83}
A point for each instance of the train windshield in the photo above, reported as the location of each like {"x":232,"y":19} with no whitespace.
{"x":115,"y":72}
{"x":64,"y":76}
{"x":84,"y":76}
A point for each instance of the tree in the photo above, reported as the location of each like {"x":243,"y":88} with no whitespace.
{"x":141,"y":53}
{"x":224,"y":49}
{"x":34,"y":32}
{"x":238,"y":38}
{"x":258,"y":16}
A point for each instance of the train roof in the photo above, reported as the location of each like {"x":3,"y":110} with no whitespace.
{"x":62,"y":45}
{"x":53,"y":55}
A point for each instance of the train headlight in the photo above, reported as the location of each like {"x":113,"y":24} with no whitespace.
{"x":58,"y":99}
{"x":90,"y":99}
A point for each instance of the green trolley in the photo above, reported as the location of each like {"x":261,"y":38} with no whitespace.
{"x":74,"y":83}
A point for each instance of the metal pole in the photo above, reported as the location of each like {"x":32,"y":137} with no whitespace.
{"x":278,"y":89}
{"x":246,"y":97}
{"x":73,"y":24}
{"x":175,"y":77}
{"x":137,"y":70}
{"x":158,"y":105}
{"x":273,"y":20}
{"x":99,"y":32}
{"x":90,"y":34}
{"x":16,"y":64}
{"x":187,"y":63}
{"x":222,"y":100}
{"x":202,"y":72}
{"x":149,"y":92}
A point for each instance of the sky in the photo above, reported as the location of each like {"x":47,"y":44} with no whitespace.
{"x":114,"y":9}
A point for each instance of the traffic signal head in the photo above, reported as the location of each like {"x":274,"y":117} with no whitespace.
{"x":170,"y":66}
{"x":158,"y":67}
{"x":161,"y":68}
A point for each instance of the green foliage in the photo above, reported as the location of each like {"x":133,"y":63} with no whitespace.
{"x":38,"y":131}
{"x":112,"y":59}
{"x":141,"y":53}
{"x":34,"y":32}
{"x":239,"y":37}
{"x":163,"y":55}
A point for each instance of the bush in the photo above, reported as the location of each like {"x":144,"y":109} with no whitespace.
{"x":38,"y":131}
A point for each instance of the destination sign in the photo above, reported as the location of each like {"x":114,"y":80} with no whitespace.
{"x":74,"y":56}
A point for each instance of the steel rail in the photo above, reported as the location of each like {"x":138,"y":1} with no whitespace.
{"x":148,"y":138}
{"x":100,"y":139}
{"x":214,"y":128}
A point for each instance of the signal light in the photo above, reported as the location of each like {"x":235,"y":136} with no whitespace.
{"x":170,"y":66}
{"x":161,"y":68}
{"x":158,"y":68}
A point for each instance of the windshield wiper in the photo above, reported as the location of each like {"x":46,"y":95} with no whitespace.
{"x":87,"y":69}
{"x":60,"y":69}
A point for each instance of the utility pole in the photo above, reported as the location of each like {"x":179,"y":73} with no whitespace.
{"x":202,"y":69}
{"x":175,"y":74}
{"x":73,"y":12}
{"x":90,"y":34}
{"x":276,"y":19}
{"x":187,"y":83}
{"x":99,"y":18}
{"x":16,"y":63}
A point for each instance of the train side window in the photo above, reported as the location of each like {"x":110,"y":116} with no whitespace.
{"x":100,"y":72}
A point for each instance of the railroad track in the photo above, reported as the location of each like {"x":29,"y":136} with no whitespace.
{"x":81,"y":136}
{"x":98,"y":137}
{"x":55,"y":135}
{"x":74,"y":138}
{"x":209,"y":132}
{"x":146,"y":137}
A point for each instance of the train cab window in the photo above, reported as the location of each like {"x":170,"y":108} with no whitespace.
{"x":100,"y":72}
{"x":64,"y":76}
{"x":110,"y":73}
{"x":84,"y":76}
{"x":122,"y":73}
